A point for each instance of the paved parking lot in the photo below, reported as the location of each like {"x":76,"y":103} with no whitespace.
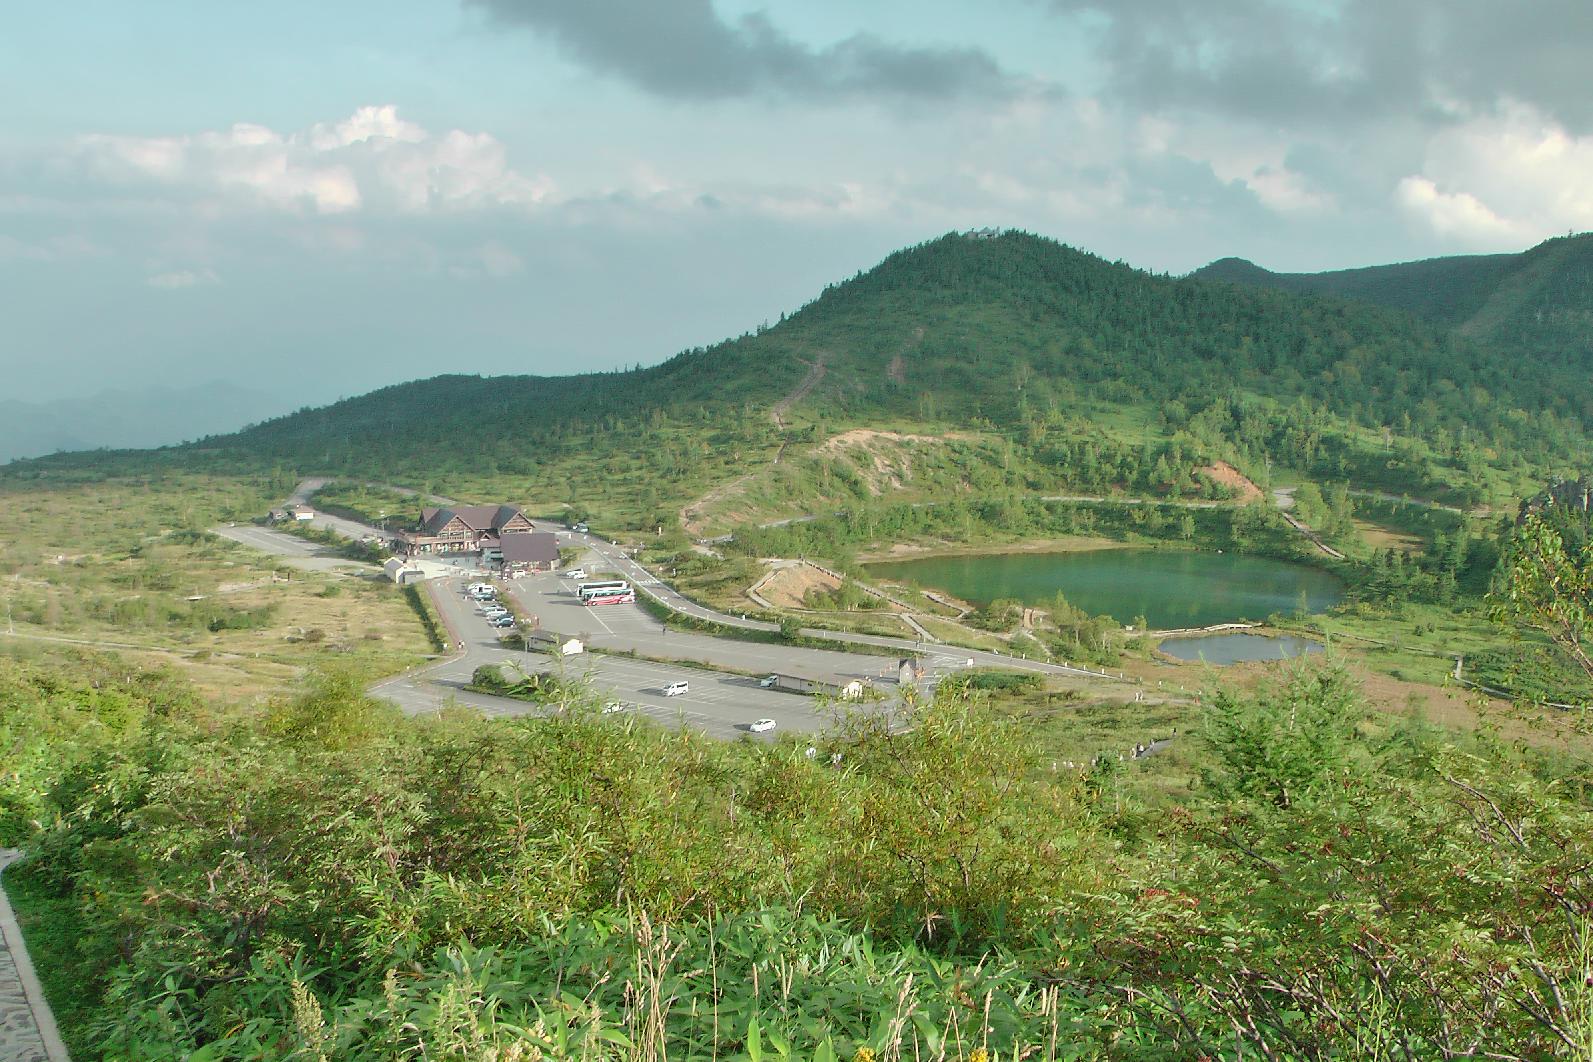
{"x":717,"y":703}
{"x":553,"y":601}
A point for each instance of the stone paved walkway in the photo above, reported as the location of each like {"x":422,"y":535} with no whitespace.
{"x":27,"y":1029}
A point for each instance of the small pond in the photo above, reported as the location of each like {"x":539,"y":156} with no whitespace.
{"x":1171,"y":588}
{"x":1222,"y":649}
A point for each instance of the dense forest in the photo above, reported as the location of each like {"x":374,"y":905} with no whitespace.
{"x":1537,"y":304}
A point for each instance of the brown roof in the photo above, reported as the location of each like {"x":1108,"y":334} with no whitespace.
{"x":475,"y":517}
{"x":538,"y":547}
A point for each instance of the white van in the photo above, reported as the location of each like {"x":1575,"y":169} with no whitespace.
{"x":575,"y":573}
{"x":675,"y":689}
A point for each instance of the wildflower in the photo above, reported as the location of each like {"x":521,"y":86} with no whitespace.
{"x":979,"y":1054}
{"x":864,"y":1054}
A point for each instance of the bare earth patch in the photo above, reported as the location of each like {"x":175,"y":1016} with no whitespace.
{"x":883,"y":459}
{"x":864,"y":437}
{"x":1065,"y":544}
{"x":1228,"y":476}
{"x":788,"y":587}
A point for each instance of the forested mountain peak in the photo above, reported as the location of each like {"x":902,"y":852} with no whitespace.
{"x":1234,"y":271}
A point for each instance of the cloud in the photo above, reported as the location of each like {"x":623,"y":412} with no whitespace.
{"x":1458,"y":214}
{"x":1345,"y":61}
{"x":183,"y":278}
{"x":372,"y":160}
{"x":1501,"y":181}
{"x":683,"y":49}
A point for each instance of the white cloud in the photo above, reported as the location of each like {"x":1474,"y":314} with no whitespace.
{"x":183,"y":278}
{"x":367,"y":123}
{"x":1456,"y":214}
{"x":1503,"y":180}
{"x":372,"y":161}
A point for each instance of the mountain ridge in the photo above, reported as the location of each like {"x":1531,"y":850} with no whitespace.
{"x":1537,"y":302}
{"x":1056,"y":351}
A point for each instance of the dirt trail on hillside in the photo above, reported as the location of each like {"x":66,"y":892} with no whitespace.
{"x":799,"y":392}
{"x":694,"y":513}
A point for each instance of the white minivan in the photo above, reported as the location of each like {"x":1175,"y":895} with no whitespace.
{"x":575,"y":573}
{"x":675,"y":689}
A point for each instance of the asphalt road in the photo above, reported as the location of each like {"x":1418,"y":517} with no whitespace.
{"x":351,"y":529}
{"x":311,"y":556}
{"x":553,"y":601}
{"x":718,"y":704}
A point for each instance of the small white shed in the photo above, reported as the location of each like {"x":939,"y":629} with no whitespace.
{"x":401,"y":571}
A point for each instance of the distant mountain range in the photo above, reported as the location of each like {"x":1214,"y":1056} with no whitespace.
{"x":130,"y":419}
{"x":1538,"y":302}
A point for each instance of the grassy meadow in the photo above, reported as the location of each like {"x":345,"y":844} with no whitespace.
{"x":128,"y":565}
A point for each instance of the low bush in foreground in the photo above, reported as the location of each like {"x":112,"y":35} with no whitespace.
{"x":328,"y":879}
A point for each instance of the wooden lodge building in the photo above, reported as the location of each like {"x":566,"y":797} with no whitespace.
{"x":466,"y":529}
{"x":499,"y":534}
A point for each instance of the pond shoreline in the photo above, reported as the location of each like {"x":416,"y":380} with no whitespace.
{"x":1195,"y":632}
{"x":903,"y":551}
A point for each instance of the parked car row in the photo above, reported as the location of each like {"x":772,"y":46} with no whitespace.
{"x":486,"y":597}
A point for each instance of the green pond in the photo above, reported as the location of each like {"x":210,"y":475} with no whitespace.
{"x":1170,"y":588}
{"x":1219,"y":650}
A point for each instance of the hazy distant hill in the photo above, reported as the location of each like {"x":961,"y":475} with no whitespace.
{"x":130,"y":419}
{"x":1538,"y":302}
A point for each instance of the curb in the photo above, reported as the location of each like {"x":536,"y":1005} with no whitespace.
{"x":32,"y":991}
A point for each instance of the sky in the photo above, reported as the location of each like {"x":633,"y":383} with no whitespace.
{"x":312,"y":200}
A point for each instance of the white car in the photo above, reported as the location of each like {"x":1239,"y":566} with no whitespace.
{"x":768,"y":680}
{"x":615,"y":706}
{"x":575,"y":573}
{"x":761,"y":726}
{"x":675,"y":689}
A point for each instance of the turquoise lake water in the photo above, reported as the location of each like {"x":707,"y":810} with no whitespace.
{"x":1170,"y":588}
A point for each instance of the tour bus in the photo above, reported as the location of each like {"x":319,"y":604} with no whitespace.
{"x":612,"y":597}
{"x":588,"y":589}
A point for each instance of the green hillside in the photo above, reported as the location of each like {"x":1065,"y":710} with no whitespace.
{"x":1538,"y":303}
{"x":1056,"y":361}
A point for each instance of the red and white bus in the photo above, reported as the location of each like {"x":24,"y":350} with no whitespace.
{"x":612,"y":597}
